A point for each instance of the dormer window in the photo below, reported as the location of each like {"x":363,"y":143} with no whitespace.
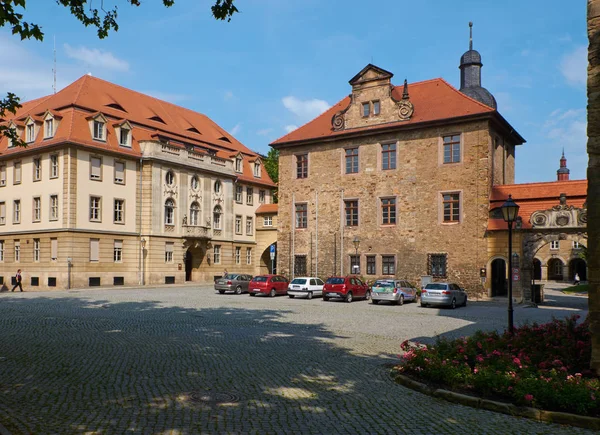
{"x":257,"y":169}
{"x":30,"y":133}
{"x":48,"y":128}
{"x":124,"y":137}
{"x":98,"y":129}
{"x":238,"y":164}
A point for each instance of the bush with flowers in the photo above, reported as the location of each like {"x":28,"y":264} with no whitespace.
{"x":543,"y":366}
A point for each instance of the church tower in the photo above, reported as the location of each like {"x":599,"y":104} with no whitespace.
{"x":470,"y":75}
{"x":563,"y":172}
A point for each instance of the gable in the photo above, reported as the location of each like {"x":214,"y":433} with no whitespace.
{"x":371,"y":73}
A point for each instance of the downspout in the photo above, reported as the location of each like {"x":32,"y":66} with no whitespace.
{"x":342,"y":235}
{"x":141,"y":249}
{"x":317,"y":234}
{"x":293,"y":256}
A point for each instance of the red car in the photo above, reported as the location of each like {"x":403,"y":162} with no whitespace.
{"x":346,"y":288}
{"x":268,"y":285}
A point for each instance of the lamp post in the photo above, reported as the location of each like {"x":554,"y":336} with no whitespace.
{"x":356,"y":243}
{"x":143,"y":246}
{"x":510,"y":210}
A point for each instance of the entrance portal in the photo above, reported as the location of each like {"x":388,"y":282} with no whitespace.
{"x":499,"y":285}
{"x":537,"y":269}
{"x":188,"y":265}
{"x":555,"y":269}
{"x":578,"y":266}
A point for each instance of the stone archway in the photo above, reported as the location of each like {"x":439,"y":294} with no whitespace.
{"x":537,"y":269}
{"x":498,"y":273}
{"x":555,"y":269}
{"x":266,"y":264}
{"x":578,"y":266}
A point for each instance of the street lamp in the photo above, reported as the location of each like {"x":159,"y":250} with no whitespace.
{"x":356,"y":243}
{"x":510,"y":210}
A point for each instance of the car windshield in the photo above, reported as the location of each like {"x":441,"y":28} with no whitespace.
{"x":298,"y":281}
{"x":435,"y":287}
{"x":384,"y":284}
{"x":233,"y":277}
{"x":335,"y":280}
{"x":260,"y":279}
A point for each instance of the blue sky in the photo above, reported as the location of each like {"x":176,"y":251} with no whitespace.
{"x":279,"y":63}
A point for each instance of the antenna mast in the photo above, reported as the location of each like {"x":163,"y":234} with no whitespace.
{"x":54,"y":68}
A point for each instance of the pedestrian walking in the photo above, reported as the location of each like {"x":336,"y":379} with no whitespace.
{"x":225,"y":273}
{"x":577,"y":279}
{"x":18,"y":279}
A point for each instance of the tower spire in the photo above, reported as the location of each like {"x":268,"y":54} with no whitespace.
{"x":470,"y":35}
{"x":563,"y":172}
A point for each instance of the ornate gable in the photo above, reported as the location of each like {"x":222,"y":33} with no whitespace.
{"x":560,"y":216}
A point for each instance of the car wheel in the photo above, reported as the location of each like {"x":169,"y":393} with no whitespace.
{"x":374,"y":302}
{"x":401,"y":301}
{"x":367,"y":296}
{"x":349,"y":297}
{"x":309,"y":295}
{"x":272,"y":293}
{"x":291,"y":296}
{"x":325,"y":298}
{"x":252,"y":294}
{"x":453,"y":304}
{"x":238,"y":290}
{"x":222,"y":291}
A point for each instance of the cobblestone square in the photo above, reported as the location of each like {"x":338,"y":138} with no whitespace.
{"x":185,"y":360}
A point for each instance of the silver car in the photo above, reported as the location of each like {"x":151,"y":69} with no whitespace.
{"x":235,"y":282}
{"x":393,"y":290}
{"x":443,"y":293}
{"x":305,"y":287}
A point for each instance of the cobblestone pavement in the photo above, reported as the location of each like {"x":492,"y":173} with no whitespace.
{"x":184,"y":360}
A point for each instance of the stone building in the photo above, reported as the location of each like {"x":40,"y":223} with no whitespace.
{"x":395,"y":181}
{"x":119,"y":188}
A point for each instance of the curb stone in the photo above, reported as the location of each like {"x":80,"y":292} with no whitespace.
{"x":501,"y":407}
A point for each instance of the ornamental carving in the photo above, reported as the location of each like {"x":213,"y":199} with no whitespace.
{"x":560,"y":216}
{"x":196,"y":196}
{"x":170,"y":190}
{"x":582,"y":218}
{"x":405,"y":110}
{"x":562,"y":219}
{"x":338,"y":122}
{"x":539,"y":219}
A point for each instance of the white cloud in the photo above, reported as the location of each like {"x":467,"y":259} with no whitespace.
{"x":290,"y":128}
{"x":236,"y":129}
{"x":97,"y":58}
{"x":574,"y":66}
{"x":305,"y":109}
{"x":264,"y":131}
{"x":228,"y":95}
{"x":567,"y":129}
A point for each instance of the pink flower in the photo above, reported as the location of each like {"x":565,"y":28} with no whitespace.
{"x":528,"y":397}
{"x":475,"y":370}
{"x":517,"y":361}
{"x":479,"y":345}
{"x":479,"y":358}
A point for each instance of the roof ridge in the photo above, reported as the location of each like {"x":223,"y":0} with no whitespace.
{"x":540,"y":182}
{"x":491,"y":109}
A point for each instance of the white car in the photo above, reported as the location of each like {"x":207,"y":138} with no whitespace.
{"x":305,"y":287}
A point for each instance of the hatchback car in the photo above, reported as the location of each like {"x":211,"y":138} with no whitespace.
{"x":268,"y":285}
{"x":305,"y":287}
{"x":394,"y":291}
{"x":235,"y":282}
{"x":443,"y":293}
{"x":345,"y":287}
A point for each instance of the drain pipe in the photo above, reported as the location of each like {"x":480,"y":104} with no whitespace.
{"x":141,"y":248}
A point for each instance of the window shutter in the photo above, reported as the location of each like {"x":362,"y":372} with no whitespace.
{"x":169,"y":247}
{"x":3,"y":210}
{"x":54,"y":249}
{"x":96,"y":163}
{"x":119,"y":171}
{"x":3,"y":175}
{"x":17,"y":173}
{"x":119,"y":244}
{"x":94,"y":249}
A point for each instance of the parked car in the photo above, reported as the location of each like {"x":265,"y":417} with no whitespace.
{"x":268,"y":285}
{"x":305,"y":287}
{"x":345,"y":287}
{"x":393,"y":290}
{"x":443,"y":293}
{"x":236,"y":282}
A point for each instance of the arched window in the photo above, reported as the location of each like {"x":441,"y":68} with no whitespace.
{"x":169,"y":212}
{"x":195,"y":213}
{"x":170,"y":178}
{"x":218,"y":186}
{"x":217,"y":212}
{"x":195,"y":183}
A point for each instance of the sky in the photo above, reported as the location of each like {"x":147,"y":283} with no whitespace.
{"x":280,"y":63}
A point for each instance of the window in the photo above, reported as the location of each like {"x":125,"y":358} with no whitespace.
{"x":437,"y":264}
{"x":169,"y":252}
{"x":355,"y":264}
{"x":300,"y":265}
{"x":169,"y":212}
{"x":37,"y":169}
{"x":576,"y":245}
{"x":48,"y":128}
{"x":302,"y":166}
{"x":452,"y":149}
{"x":371,"y":265}
{"x":37,"y":209}
{"x":217,"y":254}
{"x":195,"y":214}
{"x":268,"y":221}
{"x":30,"y":133}
{"x":238,"y":255}
{"x":239,"y":194}
{"x":54,"y":166}
{"x":53,"y":207}
{"x":238,"y":164}
{"x":17,"y":173}
{"x":366,"y":109}
{"x":2,"y":213}
{"x":249,"y":196}
{"x":238,"y":224}
{"x":118,"y":251}
{"x":119,"y":172}
{"x":351,"y":160}
{"x":1,"y":250}
{"x":53,"y":249}
{"x":95,"y":204}
{"x":124,"y":136}
{"x":96,"y":168}
{"x":249,"y":222}
{"x":217,"y":212}
{"x":261,"y":196}
{"x":388,"y":211}
{"x":388,"y":156}
{"x":195,"y":183}
{"x":257,"y":169}
{"x":248,"y":255}
{"x":36,"y":250}
{"x":119,"y":211}
{"x":218,"y":187}
{"x":376,"y":107}
{"x":17,"y":251}
{"x":98,"y":130}
{"x":555,"y":244}
{"x":17,"y":211}
{"x":451,"y":207}
{"x":301,"y":215}
{"x":94,"y":249}
{"x":388,"y":265}
{"x":170,"y":178}
{"x":351,"y":210}
{"x":3,"y":175}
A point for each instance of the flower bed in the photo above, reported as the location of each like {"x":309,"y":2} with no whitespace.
{"x":543,"y":366}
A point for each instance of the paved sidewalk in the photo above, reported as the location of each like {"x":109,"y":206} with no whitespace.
{"x":187,"y":361}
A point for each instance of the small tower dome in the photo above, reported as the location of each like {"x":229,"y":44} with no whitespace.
{"x":470,"y":75}
{"x":563,"y":172}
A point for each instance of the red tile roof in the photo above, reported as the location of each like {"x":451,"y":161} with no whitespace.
{"x":267,"y":208}
{"x":433,"y":100}
{"x":532,"y":197}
